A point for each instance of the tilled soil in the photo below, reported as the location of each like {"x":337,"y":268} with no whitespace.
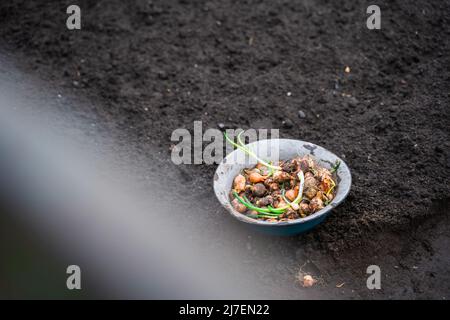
{"x":161,"y":65}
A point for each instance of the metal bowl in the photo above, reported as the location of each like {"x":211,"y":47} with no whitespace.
{"x":288,"y":149}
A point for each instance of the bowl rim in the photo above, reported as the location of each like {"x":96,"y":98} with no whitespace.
{"x":316,"y":215}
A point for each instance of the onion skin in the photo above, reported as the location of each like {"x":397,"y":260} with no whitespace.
{"x":291,"y":194}
{"x":310,"y":182}
{"x":316,"y":204}
{"x":304,"y":208}
{"x":311,"y":192}
{"x":262,"y":169}
{"x":308,"y":174}
{"x":239,"y":183}
{"x":274,"y":186}
{"x":255,"y":177}
{"x":324,"y":173}
{"x":326,"y":184}
{"x":289,"y":166}
{"x":280,"y":176}
{"x":263,"y":202}
{"x":260,"y":166}
{"x":239,"y":207}
{"x":281,"y":204}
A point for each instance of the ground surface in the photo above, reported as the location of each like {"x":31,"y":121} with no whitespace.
{"x":154,"y":66}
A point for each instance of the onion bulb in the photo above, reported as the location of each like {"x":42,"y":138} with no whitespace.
{"x":239,"y":183}
{"x":255,"y":177}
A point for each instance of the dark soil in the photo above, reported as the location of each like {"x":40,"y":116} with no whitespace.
{"x":161,"y":65}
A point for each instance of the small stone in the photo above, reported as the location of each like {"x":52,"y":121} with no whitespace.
{"x":352,"y":102}
{"x":287,"y":123}
{"x":289,"y":94}
{"x":321,"y":100}
{"x":163,"y":75}
{"x":347,"y":69}
{"x":221,"y":125}
{"x":301,"y":114}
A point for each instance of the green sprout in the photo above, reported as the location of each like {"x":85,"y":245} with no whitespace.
{"x":267,"y":213}
{"x":240,"y":145}
{"x":335,"y":166}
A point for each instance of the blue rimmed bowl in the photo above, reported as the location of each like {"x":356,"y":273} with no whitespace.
{"x":234,"y":162}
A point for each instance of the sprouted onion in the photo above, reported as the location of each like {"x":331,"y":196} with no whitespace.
{"x":241,"y":146}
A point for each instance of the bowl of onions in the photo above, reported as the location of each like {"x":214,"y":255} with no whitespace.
{"x":281,"y":186}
